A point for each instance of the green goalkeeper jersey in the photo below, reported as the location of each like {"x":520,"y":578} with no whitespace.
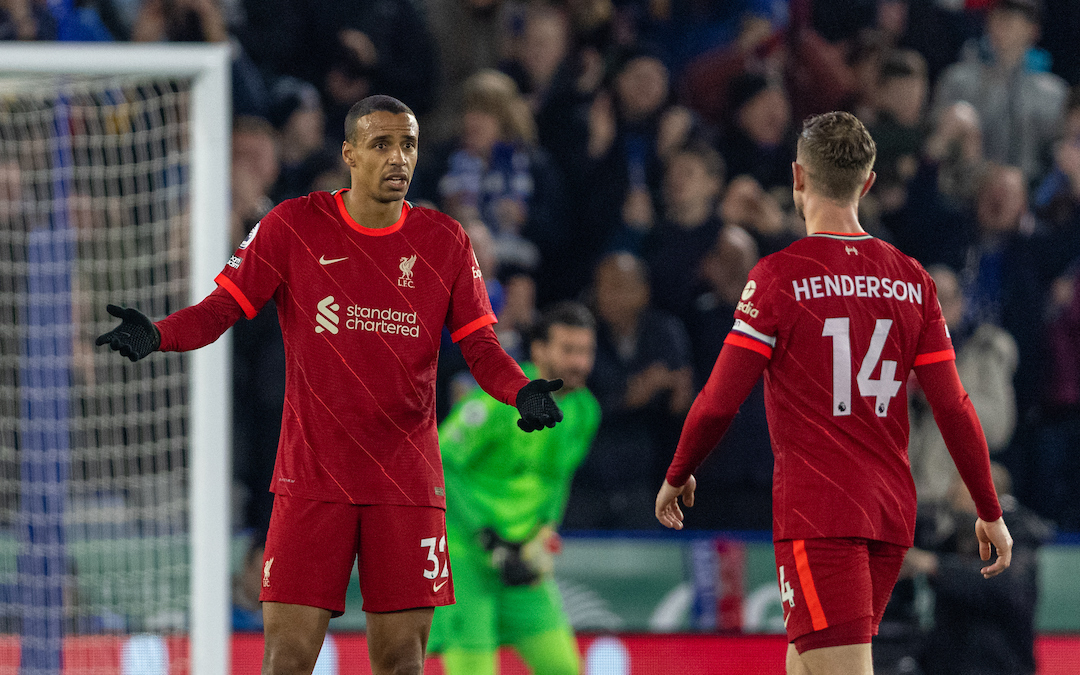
{"x":500,"y":477}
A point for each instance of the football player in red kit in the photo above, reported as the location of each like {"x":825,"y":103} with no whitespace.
{"x":836,"y":321}
{"x":364,"y":283}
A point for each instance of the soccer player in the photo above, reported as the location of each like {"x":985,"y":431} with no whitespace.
{"x":505,"y":495}
{"x":836,"y":321}
{"x":364,"y":283}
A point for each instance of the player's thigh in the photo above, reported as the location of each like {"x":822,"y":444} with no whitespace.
{"x":826,"y":591}
{"x":293,"y":635}
{"x":403,"y":558}
{"x":551,"y":653}
{"x":839,"y":660}
{"x":310,"y":550}
{"x":397,"y":640}
{"x":533,"y":609}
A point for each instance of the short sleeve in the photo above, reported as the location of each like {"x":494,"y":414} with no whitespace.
{"x":254,"y":271}
{"x":935,"y":343}
{"x":757,"y":312}
{"x":470,"y":307}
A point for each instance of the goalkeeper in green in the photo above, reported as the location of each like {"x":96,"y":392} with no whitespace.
{"x":505,"y":495}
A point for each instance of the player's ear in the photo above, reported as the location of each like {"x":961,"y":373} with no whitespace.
{"x":798,"y":175}
{"x":869,"y":182}
{"x":347,"y":153}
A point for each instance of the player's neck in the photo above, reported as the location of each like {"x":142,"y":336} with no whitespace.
{"x":372,"y":213}
{"x":825,"y":215}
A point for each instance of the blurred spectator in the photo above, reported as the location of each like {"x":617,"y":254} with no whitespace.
{"x":759,"y":140}
{"x":255,"y":169}
{"x":986,"y":358}
{"x":246,"y":584}
{"x":26,"y":20}
{"x":932,"y":223}
{"x":1020,"y":108}
{"x":496,"y":172}
{"x":747,"y":205}
{"x":355,"y":48}
{"x":981,"y":626}
{"x":1057,"y":198}
{"x":643,"y":380}
{"x":897,"y":127}
{"x":558,"y":78}
{"x":469,"y":36}
{"x":1056,"y":460}
{"x":297,"y":115}
{"x":633,"y":129}
{"x":743,"y":462}
{"x":204,"y":21}
{"x":693,"y":182}
{"x":1009,"y":267}
{"x":704,"y":82}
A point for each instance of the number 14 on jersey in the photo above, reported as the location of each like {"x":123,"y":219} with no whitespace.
{"x":883,"y":389}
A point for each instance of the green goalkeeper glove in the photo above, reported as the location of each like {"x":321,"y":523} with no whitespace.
{"x":135,"y":337}
{"x":522,"y":564}
{"x":537,"y":408}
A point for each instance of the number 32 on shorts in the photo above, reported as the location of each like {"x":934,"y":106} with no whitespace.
{"x":431,"y":544}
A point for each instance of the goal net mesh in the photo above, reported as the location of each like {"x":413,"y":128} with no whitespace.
{"x":94,"y":196}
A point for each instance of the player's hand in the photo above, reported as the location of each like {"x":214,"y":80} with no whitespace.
{"x":135,"y":337}
{"x":997,"y":534}
{"x":667,"y":502}
{"x":537,"y":408}
{"x":507,"y":558}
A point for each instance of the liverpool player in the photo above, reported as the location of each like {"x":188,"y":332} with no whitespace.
{"x":364,"y":283}
{"x":836,"y":321}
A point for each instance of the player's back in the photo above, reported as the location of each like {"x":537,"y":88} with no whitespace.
{"x":846,"y":317}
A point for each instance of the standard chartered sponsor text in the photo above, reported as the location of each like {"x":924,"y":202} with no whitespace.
{"x":388,"y":321}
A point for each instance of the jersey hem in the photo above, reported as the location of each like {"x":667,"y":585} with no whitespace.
{"x":473,"y":326}
{"x":238,"y":295}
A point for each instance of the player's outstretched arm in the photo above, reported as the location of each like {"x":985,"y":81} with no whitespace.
{"x":135,"y":337}
{"x":536,"y":406}
{"x":997,"y":534}
{"x":667,"y":502}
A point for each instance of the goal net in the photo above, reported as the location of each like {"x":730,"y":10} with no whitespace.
{"x":99,"y":457}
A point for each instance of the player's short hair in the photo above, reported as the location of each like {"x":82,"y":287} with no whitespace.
{"x":378,"y":102}
{"x":837,"y":153}
{"x":564,"y":313}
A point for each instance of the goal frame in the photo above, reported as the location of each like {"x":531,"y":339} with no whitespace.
{"x":210,"y":449}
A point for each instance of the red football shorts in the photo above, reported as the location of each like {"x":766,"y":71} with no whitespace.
{"x":401,"y":551}
{"x":834,"y":591}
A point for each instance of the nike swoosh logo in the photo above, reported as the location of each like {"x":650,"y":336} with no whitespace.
{"x":324,"y":261}
{"x":438,"y":587}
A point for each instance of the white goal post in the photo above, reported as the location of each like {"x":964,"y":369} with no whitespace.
{"x":209,"y":458}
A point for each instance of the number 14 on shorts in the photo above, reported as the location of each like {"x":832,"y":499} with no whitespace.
{"x":431,"y":544}
{"x":787,"y":593}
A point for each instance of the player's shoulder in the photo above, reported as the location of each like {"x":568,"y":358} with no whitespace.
{"x":436,"y":222}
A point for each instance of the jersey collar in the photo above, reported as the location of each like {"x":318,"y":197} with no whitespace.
{"x":339,"y":197}
{"x":846,"y":236}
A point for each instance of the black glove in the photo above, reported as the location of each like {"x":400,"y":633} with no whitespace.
{"x":135,"y":337}
{"x":506,"y":558}
{"x":537,"y":408}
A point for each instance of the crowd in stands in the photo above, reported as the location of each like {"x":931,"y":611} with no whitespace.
{"x":636,"y":154}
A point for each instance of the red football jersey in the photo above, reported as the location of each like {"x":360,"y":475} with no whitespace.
{"x":842,"y":319}
{"x":361,"y":313}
